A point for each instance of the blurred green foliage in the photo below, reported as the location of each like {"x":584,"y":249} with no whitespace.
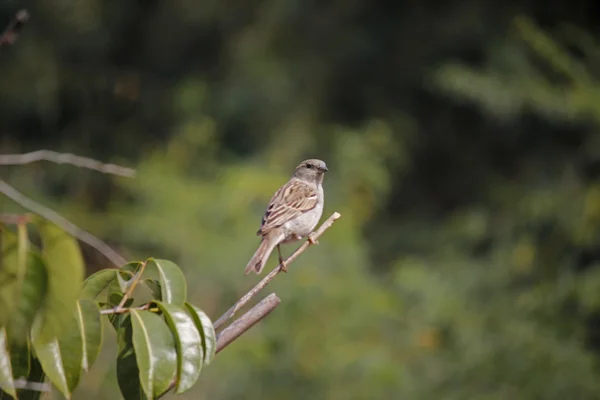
{"x":463,"y":152}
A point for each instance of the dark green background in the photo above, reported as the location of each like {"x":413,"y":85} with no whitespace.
{"x":462,"y":141}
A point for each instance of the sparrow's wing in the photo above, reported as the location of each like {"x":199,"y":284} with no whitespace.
{"x":291,"y":200}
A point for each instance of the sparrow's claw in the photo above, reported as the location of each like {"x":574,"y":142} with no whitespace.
{"x":312,"y":239}
{"x":282,"y":267}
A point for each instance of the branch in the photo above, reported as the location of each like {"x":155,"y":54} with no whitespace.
{"x":120,"y":308}
{"x":34,"y":386}
{"x":123,"y":310}
{"x":247,"y":321}
{"x":261,"y":285}
{"x":65,"y":158}
{"x":14,"y":219}
{"x":57,"y":219}
{"x":11,"y":33}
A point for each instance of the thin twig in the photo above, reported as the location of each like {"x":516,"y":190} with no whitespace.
{"x":11,"y":33}
{"x":34,"y":386}
{"x":247,"y":321}
{"x":129,"y":292}
{"x":14,"y":219}
{"x":123,"y":310}
{"x":66,"y":158}
{"x":261,"y":285}
{"x":57,"y":219}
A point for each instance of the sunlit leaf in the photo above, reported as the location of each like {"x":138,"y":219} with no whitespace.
{"x":64,"y":358}
{"x":90,"y":326}
{"x":188,"y":343}
{"x":96,"y":283}
{"x":65,"y":267}
{"x":172,"y":282}
{"x":206,"y":329}
{"x":6,"y":374}
{"x":51,"y":358}
{"x":155,"y":352}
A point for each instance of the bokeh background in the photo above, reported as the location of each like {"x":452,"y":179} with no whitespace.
{"x":464,"y":153}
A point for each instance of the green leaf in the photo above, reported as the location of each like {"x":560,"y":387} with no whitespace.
{"x":128,"y":273}
{"x":172,"y":282}
{"x":10,"y":265}
{"x":64,"y":358}
{"x":206,"y":329}
{"x":154,"y":287}
{"x":65,"y":267}
{"x":90,"y":327}
{"x":96,"y":283}
{"x":188,"y":343}
{"x":117,"y":320}
{"x":128,"y":374}
{"x":53,"y":359}
{"x":31,"y":298}
{"x":155,"y":352}
{"x":113,"y":298}
{"x":6,"y":375}
{"x":23,"y":283}
{"x":20,"y":357}
{"x":19,"y":354}
{"x":114,"y":294}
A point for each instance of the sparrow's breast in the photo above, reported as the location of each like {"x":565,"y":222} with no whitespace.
{"x":304,"y":224}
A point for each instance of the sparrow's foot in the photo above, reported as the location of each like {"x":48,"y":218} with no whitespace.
{"x":282,"y":267}
{"x":312,"y":239}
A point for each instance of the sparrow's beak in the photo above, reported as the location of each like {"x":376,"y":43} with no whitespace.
{"x":324,"y":168}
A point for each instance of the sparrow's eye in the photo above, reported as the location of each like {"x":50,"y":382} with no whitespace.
{"x":309,"y":166}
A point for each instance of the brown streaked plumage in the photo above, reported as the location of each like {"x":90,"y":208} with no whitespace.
{"x":292,"y":213}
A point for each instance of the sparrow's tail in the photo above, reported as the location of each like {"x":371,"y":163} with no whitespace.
{"x":259,"y":259}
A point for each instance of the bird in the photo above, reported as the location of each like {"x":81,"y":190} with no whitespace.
{"x":292,"y":213}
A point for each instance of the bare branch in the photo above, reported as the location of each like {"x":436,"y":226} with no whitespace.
{"x":66,"y":158}
{"x":57,"y":219}
{"x":11,"y":33}
{"x":247,"y":321}
{"x":123,"y":310}
{"x":261,"y":285}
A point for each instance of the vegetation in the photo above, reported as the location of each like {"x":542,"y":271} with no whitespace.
{"x":51,"y":326}
{"x":462,"y":143}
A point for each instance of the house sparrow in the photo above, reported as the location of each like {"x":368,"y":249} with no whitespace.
{"x":293,"y":212}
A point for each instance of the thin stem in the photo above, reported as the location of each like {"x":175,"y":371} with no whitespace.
{"x":261,"y":285}
{"x":57,"y":219}
{"x":122,"y":310}
{"x":66,"y":158}
{"x":129,"y":292}
{"x":33,"y":386}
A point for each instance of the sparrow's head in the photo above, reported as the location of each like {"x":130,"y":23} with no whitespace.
{"x":311,"y":170}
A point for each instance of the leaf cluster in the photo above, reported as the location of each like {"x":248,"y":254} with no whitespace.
{"x":51,"y":327}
